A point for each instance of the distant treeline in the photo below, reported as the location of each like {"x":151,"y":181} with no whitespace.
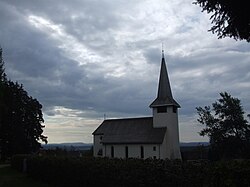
{"x":195,"y":153}
{"x":75,"y":171}
{"x":68,"y":146}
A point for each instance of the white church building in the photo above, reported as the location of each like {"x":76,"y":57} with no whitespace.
{"x":146,"y":137}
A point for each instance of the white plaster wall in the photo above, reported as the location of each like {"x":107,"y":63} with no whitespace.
{"x":134,"y":150}
{"x":162,"y":119}
{"x":149,"y":151}
{"x":97,"y":145}
{"x":169,"y":120}
{"x":164,"y":150}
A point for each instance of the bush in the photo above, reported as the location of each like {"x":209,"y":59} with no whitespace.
{"x":68,"y":171}
{"x":230,"y":173}
{"x":65,"y":171}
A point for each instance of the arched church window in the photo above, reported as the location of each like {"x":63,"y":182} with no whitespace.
{"x":112,"y":151}
{"x":142,"y":152}
{"x":126,"y":152}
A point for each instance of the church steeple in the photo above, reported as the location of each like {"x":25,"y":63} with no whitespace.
{"x":164,"y":96}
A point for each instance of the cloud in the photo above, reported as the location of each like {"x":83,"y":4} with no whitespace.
{"x":84,"y":59}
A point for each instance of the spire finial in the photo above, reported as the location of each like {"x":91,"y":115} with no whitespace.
{"x":162,"y":50}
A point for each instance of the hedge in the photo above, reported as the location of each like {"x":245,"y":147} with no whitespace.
{"x":18,"y":162}
{"x":67,"y":171}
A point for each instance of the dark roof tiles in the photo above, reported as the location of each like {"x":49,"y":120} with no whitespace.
{"x":130,"y":131}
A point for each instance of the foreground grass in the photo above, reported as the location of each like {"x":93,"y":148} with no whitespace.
{"x":12,"y":178}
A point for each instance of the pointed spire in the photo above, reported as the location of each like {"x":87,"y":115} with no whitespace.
{"x":164,"y":96}
{"x":164,"y":88}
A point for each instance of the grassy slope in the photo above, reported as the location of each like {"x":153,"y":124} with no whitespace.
{"x":13,"y":178}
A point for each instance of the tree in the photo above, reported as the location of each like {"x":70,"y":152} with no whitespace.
{"x":20,"y":119}
{"x":2,"y":80}
{"x":231,"y":18}
{"x":226,"y":127}
{"x":1,"y":65}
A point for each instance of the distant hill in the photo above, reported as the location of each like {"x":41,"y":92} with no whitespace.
{"x":78,"y":146}
{"x":87,"y":146}
{"x":193,"y":144}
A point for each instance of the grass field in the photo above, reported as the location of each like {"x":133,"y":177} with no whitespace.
{"x":12,"y":178}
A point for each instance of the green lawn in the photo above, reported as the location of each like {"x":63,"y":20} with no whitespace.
{"x":12,"y":178}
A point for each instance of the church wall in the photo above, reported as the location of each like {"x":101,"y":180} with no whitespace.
{"x":173,"y":137}
{"x":161,"y":119}
{"x":97,"y":145}
{"x":169,"y":120}
{"x":134,"y":151}
{"x":165,"y":151}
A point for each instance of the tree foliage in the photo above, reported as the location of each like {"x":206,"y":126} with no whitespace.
{"x":1,"y":65}
{"x":21,"y":119}
{"x":226,"y":126}
{"x":230,"y":18}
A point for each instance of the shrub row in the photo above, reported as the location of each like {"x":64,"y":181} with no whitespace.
{"x":65,"y":171}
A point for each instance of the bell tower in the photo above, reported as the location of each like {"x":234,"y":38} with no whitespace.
{"x":165,"y":113}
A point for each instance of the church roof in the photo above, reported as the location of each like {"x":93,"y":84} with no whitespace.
{"x":130,"y":131}
{"x":164,"y":96}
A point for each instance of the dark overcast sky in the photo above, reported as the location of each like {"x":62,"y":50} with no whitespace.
{"x":85,"y":58}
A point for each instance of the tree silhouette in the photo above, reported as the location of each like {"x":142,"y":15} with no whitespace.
{"x":226,"y":127}
{"x":231,"y":18}
{"x":21,"y":119}
{"x":2,"y":81}
{"x":2,"y":74}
